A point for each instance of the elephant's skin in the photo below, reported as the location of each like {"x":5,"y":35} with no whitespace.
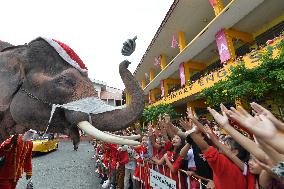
{"x":33,"y":76}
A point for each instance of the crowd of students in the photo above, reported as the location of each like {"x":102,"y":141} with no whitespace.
{"x":236,"y":150}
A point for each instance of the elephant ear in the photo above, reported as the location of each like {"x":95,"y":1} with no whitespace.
{"x":11,"y":78}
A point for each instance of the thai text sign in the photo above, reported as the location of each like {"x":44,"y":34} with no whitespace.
{"x":159,"y":181}
{"x":222,"y":45}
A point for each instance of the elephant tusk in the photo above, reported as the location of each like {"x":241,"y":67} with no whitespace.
{"x":131,"y":137}
{"x":91,"y":130}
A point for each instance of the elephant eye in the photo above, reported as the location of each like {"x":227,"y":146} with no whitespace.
{"x":63,"y":80}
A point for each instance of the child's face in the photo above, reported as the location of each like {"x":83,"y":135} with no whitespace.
{"x":254,"y":167}
{"x":176,"y":141}
{"x":160,"y":141}
{"x":228,"y":145}
{"x":144,"y":141}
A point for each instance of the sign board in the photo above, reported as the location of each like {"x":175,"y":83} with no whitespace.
{"x":159,"y":181}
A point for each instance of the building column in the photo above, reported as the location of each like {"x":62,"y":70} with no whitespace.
{"x":181,"y":40}
{"x":163,"y":61}
{"x":166,"y":87}
{"x":152,"y":96}
{"x":217,"y":6}
{"x":152,"y":74}
{"x":143,"y":83}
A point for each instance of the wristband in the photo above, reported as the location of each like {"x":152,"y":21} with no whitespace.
{"x":191,"y":131}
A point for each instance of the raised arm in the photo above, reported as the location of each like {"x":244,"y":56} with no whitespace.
{"x":184,"y":150}
{"x":245,"y":142}
{"x":261,"y":126}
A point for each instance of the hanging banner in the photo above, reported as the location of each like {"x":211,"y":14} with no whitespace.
{"x":174,"y":42}
{"x":222,"y":45}
{"x":212,"y":3}
{"x":159,"y":181}
{"x":157,"y":61}
{"x":162,"y":89}
{"x":181,"y":74}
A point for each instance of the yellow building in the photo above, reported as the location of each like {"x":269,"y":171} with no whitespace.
{"x":199,"y":40}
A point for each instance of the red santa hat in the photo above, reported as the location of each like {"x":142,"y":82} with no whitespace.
{"x":67,"y":54}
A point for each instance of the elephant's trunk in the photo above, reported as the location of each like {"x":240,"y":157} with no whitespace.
{"x":122,"y":118}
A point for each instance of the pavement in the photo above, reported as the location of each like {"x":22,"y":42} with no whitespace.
{"x":64,"y":169}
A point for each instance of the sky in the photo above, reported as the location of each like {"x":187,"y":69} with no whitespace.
{"x":94,"y":29}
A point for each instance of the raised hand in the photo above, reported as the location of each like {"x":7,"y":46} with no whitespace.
{"x":173,"y":128}
{"x":221,"y":119}
{"x":187,"y":125}
{"x":210,"y":185}
{"x":260,"y":110}
{"x":260,"y":125}
{"x":190,"y":113}
{"x":208,"y":132}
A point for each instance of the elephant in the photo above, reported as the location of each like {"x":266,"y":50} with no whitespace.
{"x":35,"y":75}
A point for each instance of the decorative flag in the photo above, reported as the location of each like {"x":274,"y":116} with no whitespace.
{"x":162,"y":89}
{"x":174,"y":42}
{"x":222,"y":45}
{"x":212,"y":2}
{"x":157,"y":61}
{"x":181,"y":74}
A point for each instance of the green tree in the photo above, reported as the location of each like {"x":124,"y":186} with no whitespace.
{"x":152,"y":114}
{"x":263,"y":82}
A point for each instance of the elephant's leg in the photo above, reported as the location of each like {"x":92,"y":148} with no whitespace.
{"x":75,"y":136}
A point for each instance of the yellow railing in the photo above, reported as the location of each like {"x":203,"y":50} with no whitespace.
{"x":251,"y":60}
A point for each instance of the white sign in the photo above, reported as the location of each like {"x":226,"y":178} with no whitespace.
{"x":159,"y":181}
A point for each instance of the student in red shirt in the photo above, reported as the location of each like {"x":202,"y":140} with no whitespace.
{"x":226,"y":173}
{"x":161,"y":144}
{"x":174,"y":161}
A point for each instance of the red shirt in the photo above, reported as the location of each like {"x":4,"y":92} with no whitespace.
{"x":176,"y":165}
{"x":226,"y":175}
{"x":123,"y":157}
{"x":15,"y":165}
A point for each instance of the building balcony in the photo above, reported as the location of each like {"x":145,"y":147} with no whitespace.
{"x":189,"y":92}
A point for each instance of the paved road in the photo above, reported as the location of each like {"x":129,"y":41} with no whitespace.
{"x":64,"y":169}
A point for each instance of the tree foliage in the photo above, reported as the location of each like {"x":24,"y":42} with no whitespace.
{"x":152,"y":114}
{"x":266,"y":80}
